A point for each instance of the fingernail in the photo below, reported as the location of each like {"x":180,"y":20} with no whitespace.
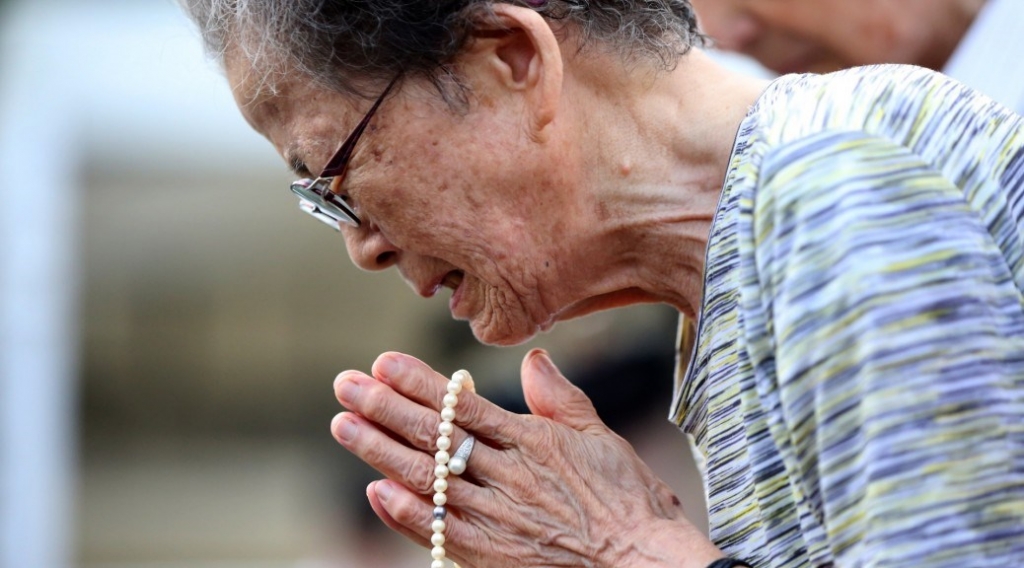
{"x":337,"y":381}
{"x":543,"y":362}
{"x":348,"y":392}
{"x":345,"y":428}
{"x":390,"y":367}
{"x":384,"y":490}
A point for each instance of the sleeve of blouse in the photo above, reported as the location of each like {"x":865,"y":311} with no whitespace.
{"x":887,"y":338}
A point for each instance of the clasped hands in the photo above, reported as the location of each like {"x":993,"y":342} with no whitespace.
{"x":551,"y":488}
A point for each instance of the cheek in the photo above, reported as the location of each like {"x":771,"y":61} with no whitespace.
{"x":446,"y":190}
{"x":805,"y":20}
{"x":860,"y":33}
{"x":400,"y":184}
{"x":873,"y":44}
{"x":428,"y":211}
{"x":718,"y":17}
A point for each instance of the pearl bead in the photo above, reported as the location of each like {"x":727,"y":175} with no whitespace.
{"x":457,"y":466}
{"x":446,"y":464}
{"x":440,"y":485}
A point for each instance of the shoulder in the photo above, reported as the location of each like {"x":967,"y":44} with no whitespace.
{"x":868,"y":83}
{"x":837,"y":211}
{"x":911,"y":105}
{"x":839,"y":171}
{"x":851,"y":88}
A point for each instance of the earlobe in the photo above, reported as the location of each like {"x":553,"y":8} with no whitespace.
{"x":526,"y":56}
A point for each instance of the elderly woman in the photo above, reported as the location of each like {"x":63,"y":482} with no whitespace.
{"x":850,"y":245}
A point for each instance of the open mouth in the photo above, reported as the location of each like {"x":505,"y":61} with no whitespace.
{"x":452,"y":279}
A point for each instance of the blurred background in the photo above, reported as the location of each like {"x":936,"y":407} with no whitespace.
{"x":172,"y":324}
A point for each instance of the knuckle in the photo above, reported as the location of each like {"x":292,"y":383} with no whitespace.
{"x":373,"y":454}
{"x":420,"y":475}
{"x":373,"y":402}
{"x":423,"y":433}
{"x":405,"y":511}
{"x":470,"y":408}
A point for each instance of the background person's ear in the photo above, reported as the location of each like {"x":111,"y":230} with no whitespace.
{"x":520,"y":51}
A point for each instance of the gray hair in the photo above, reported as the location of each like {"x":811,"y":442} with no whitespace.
{"x":342,"y":44}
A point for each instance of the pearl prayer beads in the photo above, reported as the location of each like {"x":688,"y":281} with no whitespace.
{"x":460,"y":381}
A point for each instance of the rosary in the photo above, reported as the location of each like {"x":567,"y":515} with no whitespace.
{"x":446,"y":463}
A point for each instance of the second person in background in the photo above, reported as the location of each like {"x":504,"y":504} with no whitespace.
{"x":978,"y":42}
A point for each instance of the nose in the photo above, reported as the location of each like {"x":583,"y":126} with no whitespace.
{"x":729,"y":24}
{"x":369,"y":248}
{"x":737,"y":33}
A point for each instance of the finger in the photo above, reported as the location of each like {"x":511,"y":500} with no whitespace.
{"x":549,"y":394}
{"x":379,"y":403}
{"x":412,"y":468}
{"x":417,"y":381}
{"x":415,"y":469}
{"x":373,"y":493}
{"x":407,"y":511}
{"x":376,"y":402}
{"x":418,"y":425}
{"x":412,"y":516}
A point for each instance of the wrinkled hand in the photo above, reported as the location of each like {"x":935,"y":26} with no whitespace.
{"x":555,"y":488}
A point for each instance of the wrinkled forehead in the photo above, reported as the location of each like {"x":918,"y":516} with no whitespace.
{"x":303,"y":120}
{"x":257,"y":97}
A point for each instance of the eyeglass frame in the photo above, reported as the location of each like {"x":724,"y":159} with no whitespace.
{"x":315,"y":195}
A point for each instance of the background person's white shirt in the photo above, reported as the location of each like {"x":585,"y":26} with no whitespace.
{"x":990,"y":58}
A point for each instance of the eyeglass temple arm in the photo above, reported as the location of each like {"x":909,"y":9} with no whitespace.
{"x":339,"y":163}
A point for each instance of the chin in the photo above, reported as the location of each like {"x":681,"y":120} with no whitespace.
{"x":507,"y":335}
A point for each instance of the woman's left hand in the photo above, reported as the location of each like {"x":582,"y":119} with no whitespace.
{"x":554,"y":488}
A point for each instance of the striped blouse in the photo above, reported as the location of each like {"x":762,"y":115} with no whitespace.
{"x":856,"y":388}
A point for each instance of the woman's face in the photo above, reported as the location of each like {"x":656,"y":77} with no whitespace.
{"x":819,"y":36}
{"x":458,"y":200}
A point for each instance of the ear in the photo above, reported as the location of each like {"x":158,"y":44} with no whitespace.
{"x":521,"y":54}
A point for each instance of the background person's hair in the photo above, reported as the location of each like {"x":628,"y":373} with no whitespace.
{"x":342,"y":44}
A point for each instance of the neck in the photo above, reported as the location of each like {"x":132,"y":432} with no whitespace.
{"x":657,"y":187}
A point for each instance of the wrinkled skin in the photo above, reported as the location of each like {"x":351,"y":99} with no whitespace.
{"x":555,"y":488}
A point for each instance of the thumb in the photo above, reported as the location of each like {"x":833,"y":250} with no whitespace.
{"x":549,"y":394}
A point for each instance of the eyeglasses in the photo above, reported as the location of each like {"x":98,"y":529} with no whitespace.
{"x":315,"y":195}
